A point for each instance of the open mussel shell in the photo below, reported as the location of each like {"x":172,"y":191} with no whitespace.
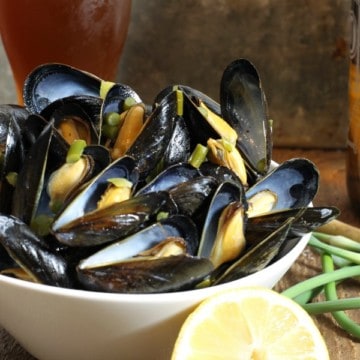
{"x":45,"y":155}
{"x":175,"y":226}
{"x":86,"y":199}
{"x":33,"y":254}
{"x":74,"y":113}
{"x":48,"y":153}
{"x":257,"y":258}
{"x":305,"y":221}
{"x":126,"y":266}
{"x":84,"y":110}
{"x":225,"y":194}
{"x":185,"y":184}
{"x":91,"y":105}
{"x":195,"y":116}
{"x":50,"y":82}
{"x":62,"y":184}
{"x":113,"y":222}
{"x":170,"y":177}
{"x":115,"y":98}
{"x":295,"y":183}
{"x":191,"y":125}
{"x":199,"y":127}
{"x":244,"y":107}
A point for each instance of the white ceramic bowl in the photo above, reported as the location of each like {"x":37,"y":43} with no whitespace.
{"x":55,"y":323}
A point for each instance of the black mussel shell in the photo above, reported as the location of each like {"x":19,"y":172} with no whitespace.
{"x":225,"y":194}
{"x":6,"y":261}
{"x":190,"y":196}
{"x":220,"y":173}
{"x":191,"y":94}
{"x":32,"y":130}
{"x":179,"y":147}
{"x":295,"y":182}
{"x":171,"y":273}
{"x":244,"y":107}
{"x":256,"y":258}
{"x":12,"y":150}
{"x":86,"y":198}
{"x":170,"y":177}
{"x":115,"y":98}
{"x":85,"y":108}
{"x":18,"y":113}
{"x":44,"y":157}
{"x":175,"y":226}
{"x":150,"y":145}
{"x":50,"y":82}
{"x":305,"y":221}
{"x":113,"y":222}
{"x":199,"y":128}
{"x":33,"y":254}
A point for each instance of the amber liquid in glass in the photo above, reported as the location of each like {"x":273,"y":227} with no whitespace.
{"x":87,"y":34}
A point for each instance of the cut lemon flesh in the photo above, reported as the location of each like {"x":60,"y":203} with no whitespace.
{"x":249,"y":323}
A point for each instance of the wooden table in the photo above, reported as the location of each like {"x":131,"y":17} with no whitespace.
{"x":332,"y":192}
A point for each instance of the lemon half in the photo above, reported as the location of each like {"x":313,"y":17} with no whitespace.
{"x":249,"y":323}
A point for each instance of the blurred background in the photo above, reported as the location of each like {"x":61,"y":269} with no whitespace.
{"x":299,"y":48}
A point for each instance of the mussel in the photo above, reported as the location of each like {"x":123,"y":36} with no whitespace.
{"x":30,"y":181}
{"x":159,"y":258}
{"x":222,"y":238}
{"x":34,"y":254}
{"x":169,"y":196}
{"x":294,"y":183}
{"x":150,"y":145}
{"x":76,"y":117}
{"x":244,"y":106}
{"x":50,"y":82}
{"x":112,"y":222}
{"x":12,"y":151}
{"x":257,"y":258}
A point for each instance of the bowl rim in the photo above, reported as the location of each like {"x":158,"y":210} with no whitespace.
{"x":154,"y":297}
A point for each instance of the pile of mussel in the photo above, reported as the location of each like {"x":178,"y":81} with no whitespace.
{"x":101,"y":191}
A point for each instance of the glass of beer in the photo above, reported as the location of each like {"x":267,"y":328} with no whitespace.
{"x":87,"y":34}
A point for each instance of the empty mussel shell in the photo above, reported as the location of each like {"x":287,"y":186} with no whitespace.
{"x":50,"y":82}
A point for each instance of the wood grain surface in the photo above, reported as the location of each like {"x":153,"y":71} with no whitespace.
{"x":332,"y":192}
